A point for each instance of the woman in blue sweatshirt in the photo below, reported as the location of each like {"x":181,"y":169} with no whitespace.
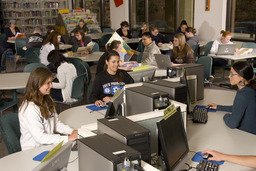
{"x":243,"y":111}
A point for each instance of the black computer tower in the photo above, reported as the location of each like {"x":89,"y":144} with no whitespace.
{"x":129,"y":133}
{"x":176,"y":90}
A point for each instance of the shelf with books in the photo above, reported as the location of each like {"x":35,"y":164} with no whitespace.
{"x":32,"y":13}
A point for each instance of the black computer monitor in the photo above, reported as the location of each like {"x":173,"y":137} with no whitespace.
{"x":144,"y":75}
{"x":58,"y":161}
{"x":116,"y":106}
{"x":173,"y":144}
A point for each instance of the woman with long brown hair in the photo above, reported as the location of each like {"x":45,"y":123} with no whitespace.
{"x":107,"y":82}
{"x":182,"y":52}
{"x":39,"y":123}
{"x":50,"y":43}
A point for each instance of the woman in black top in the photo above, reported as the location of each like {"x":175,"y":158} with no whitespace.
{"x":109,"y":81}
{"x":10,"y":35}
{"x":81,"y":41}
{"x":123,"y":31}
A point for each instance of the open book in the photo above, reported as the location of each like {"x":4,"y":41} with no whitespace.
{"x":89,"y":47}
{"x":19,"y":35}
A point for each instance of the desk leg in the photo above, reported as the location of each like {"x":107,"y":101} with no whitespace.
{"x":14,"y":97}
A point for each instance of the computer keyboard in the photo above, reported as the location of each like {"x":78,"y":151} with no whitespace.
{"x":200,"y":115}
{"x":207,"y":166}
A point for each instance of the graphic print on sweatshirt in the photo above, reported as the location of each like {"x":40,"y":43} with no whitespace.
{"x":112,"y":87}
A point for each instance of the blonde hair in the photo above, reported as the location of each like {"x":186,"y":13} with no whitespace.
{"x":184,"y":49}
{"x":145,"y":23}
{"x":225,"y":33}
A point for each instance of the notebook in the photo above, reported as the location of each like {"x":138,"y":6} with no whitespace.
{"x":163,"y":61}
{"x":226,"y":49}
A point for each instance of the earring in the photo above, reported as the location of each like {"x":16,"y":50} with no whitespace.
{"x":241,"y":83}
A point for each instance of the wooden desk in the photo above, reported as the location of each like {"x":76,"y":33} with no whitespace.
{"x":93,"y":57}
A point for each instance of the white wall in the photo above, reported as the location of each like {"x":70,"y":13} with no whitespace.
{"x":118,"y":14}
{"x":210,"y":23}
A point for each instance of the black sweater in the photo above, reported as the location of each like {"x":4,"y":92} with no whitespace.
{"x":105,"y":85}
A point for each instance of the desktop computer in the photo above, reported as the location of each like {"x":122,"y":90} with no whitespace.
{"x":143,"y":99}
{"x":176,"y":91}
{"x":192,"y":69}
{"x":129,"y":133}
{"x":103,"y":152}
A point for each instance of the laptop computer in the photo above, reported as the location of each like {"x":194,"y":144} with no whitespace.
{"x":163,"y":61}
{"x":226,"y":49}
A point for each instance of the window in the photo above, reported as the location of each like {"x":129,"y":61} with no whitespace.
{"x":241,"y":20}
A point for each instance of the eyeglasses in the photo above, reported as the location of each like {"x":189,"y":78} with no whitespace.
{"x":231,"y":75}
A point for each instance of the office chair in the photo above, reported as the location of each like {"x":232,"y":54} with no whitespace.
{"x":105,"y":30}
{"x":207,"y":63}
{"x":195,"y":48}
{"x":208,"y":47}
{"x":32,"y":66}
{"x":104,"y":39}
{"x":3,"y":60}
{"x":139,"y":57}
{"x":19,"y":44}
{"x":10,"y":131}
{"x":96,"y":47}
{"x":32,"y":55}
{"x":88,"y":93}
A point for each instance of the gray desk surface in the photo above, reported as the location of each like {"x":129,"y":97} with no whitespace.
{"x":97,"y":36}
{"x":93,"y":57}
{"x":15,"y":80}
{"x":236,"y":56}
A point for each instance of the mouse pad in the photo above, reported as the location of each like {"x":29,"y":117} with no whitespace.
{"x":96,"y":108}
{"x":209,"y":110}
{"x":198,"y":157}
{"x":41,"y":156}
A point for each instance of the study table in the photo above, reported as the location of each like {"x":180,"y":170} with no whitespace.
{"x":92,"y":57}
{"x":13,"y":81}
{"x":97,"y":36}
{"x":236,"y":57}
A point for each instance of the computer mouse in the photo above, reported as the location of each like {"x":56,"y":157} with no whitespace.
{"x":206,"y":155}
{"x":208,"y":107}
{"x":103,"y":105}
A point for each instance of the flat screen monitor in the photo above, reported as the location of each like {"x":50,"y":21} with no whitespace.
{"x":144,"y":75}
{"x":58,"y":161}
{"x":116,"y":106}
{"x":173,"y":144}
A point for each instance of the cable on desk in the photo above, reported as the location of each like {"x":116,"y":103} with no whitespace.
{"x":73,"y":160}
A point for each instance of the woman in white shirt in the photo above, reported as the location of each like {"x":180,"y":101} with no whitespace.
{"x":66,"y":74}
{"x":39,"y":123}
{"x":225,"y":39}
{"x":51,"y":43}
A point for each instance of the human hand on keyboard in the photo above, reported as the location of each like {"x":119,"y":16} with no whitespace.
{"x":211,"y":106}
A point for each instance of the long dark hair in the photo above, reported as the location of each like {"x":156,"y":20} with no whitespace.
{"x":32,"y":93}
{"x":55,"y":57}
{"x":245,"y":70}
{"x":52,"y":38}
{"x":110,"y":53}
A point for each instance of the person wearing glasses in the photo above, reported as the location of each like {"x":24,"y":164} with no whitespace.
{"x":242,"y":113}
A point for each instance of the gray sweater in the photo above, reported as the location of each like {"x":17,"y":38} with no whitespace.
{"x":148,"y":57}
{"x":243,"y":111}
{"x":193,"y":41}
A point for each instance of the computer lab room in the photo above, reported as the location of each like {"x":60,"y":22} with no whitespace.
{"x":127,"y":85}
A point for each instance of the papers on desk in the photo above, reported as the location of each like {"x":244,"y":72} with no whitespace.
{"x":245,"y":50}
{"x":89,"y":47}
{"x":19,"y":35}
{"x":166,"y":46}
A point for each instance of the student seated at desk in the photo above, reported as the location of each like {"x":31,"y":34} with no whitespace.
{"x":156,"y":36}
{"x":124,"y":31}
{"x":192,"y":38}
{"x":242,"y":114}
{"x":36,"y":39}
{"x":182,"y":52}
{"x":249,"y":161}
{"x":144,"y":28}
{"x":81,"y":41}
{"x":225,"y":39}
{"x":81,"y":25}
{"x":107,"y":82}
{"x":66,"y":74}
{"x":115,"y":45}
{"x":181,"y":29}
{"x":51,"y":43}
{"x":39,"y":123}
